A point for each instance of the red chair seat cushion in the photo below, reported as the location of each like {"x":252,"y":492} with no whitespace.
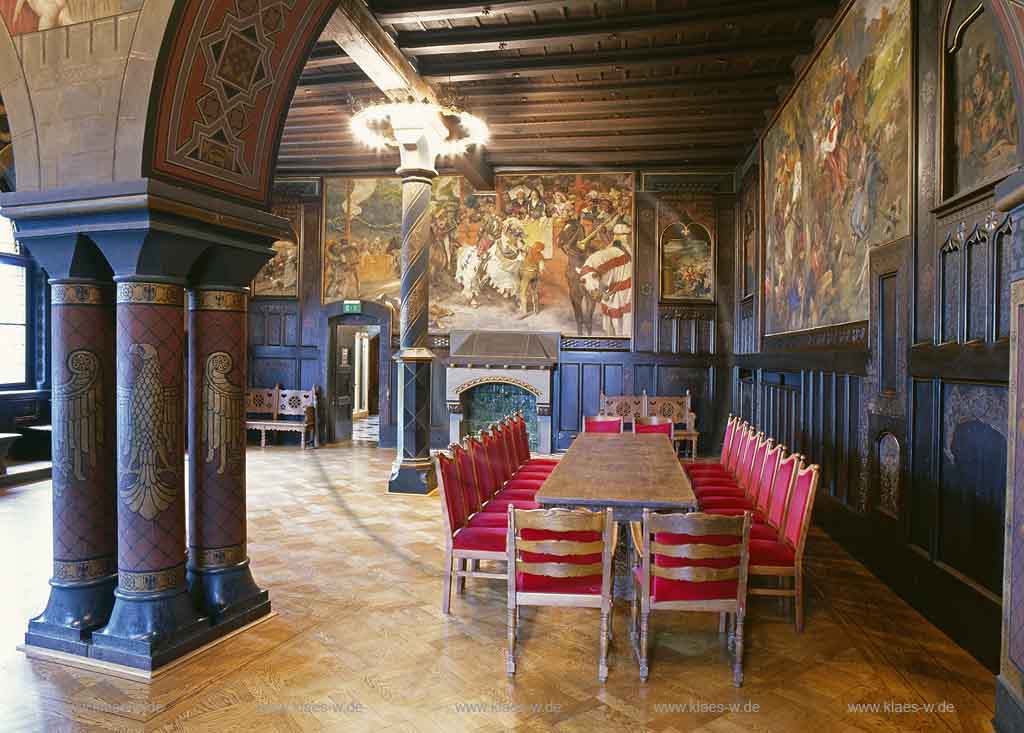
{"x":664,"y":589}
{"x":523,"y":475}
{"x":714,"y":481}
{"x":763,"y":531}
{"x":485,"y":539}
{"x":501,"y":505}
{"x":721,"y":491}
{"x":726,"y":502}
{"x":542,"y":462}
{"x":519,"y":494}
{"x":524,"y":484}
{"x":489,"y":519}
{"x":771,"y":553}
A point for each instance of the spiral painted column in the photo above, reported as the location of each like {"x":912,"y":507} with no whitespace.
{"x":412,"y":472}
{"x":153,"y":618}
{"x":218,"y":566}
{"x":84,"y":471}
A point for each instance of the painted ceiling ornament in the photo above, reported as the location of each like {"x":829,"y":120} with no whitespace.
{"x":77,"y":418}
{"x":223,"y":412}
{"x":148,"y":418}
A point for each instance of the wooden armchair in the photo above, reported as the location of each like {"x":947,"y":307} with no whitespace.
{"x":691,"y":562}
{"x":560,"y":557}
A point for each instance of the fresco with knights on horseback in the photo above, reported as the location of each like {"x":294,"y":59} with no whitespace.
{"x":836,"y":164}
{"x":545,"y":252}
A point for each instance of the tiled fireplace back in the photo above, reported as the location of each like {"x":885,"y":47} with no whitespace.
{"x":489,"y":402}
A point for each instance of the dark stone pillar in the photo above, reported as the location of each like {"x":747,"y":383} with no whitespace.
{"x":218,"y":567}
{"x":153,"y":620}
{"x":84,"y":471}
{"x":412,"y":471}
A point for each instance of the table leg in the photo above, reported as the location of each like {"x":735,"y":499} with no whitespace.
{"x":622,"y":581}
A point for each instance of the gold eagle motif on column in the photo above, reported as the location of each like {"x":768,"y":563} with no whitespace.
{"x":223,"y":411}
{"x":77,"y":417}
{"x":148,"y":416}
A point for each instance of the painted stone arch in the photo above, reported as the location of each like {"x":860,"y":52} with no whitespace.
{"x":20,"y":118}
{"x":225,"y":78}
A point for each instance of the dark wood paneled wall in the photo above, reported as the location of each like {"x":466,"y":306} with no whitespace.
{"x":907,"y":413}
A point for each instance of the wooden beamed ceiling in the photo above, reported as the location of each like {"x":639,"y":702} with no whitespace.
{"x":625,"y":84}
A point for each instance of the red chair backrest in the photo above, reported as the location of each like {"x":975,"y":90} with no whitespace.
{"x":496,"y":455}
{"x":800,"y":503}
{"x":522,"y":438}
{"x":470,"y":493}
{"x":487,"y":483}
{"x":451,"y":487}
{"x":665,"y":428}
{"x":602,"y":424}
{"x":748,"y":478}
{"x":781,"y":489}
{"x":508,"y":439}
{"x":730,"y":431}
{"x":765,"y":479}
{"x":743,"y":445}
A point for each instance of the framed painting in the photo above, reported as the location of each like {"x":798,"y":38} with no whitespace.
{"x":837,"y":174}
{"x":280,"y":277}
{"x":686,"y":256}
{"x":981,"y":132}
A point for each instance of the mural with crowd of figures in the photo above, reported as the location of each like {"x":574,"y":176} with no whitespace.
{"x":279,"y":278}
{"x":545,"y":252}
{"x":837,"y":170}
{"x":985,"y":116}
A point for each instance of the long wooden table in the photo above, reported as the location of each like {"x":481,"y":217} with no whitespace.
{"x":626,"y":472}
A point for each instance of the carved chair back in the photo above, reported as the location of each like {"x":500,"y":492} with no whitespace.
{"x":602,"y":424}
{"x":766,"y":478}
{"x":781,"y":488}
{"x":654,"y":425}
{"x":798,"y":517}
{"x":450,"y":488}
{"x":487,"y":482}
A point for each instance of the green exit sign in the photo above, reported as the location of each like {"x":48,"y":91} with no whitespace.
{"x":352,"y":306}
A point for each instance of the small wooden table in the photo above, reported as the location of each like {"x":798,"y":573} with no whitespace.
{"x":626,"y":472}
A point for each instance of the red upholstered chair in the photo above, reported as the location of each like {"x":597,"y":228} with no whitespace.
{"x":735,"y":506}
{"x":560,"y":557}
{"x":496,"y":494}
{"x":506,"y":432}
{"x":602,"y":424}
{"x":731,"y":431}
{"x":743,"y":445}
{"x":691,"y":562}
{"x":474,"y":499}
{"x":748,"y":474}
{"x":524,"y":439}
{"x":784,"y":558}
{"x":655,"y":424}
{"x":463,"y":543}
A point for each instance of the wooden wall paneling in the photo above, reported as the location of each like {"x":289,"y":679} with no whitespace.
{"x":569,"y":402}
{"x":591,"y":389}
{"x":978,"y":285}
{"x":921,"y":506}
{"x":1001,"y":232}
{"x":611,"y":377}
{"x":888,"y":318}
{"x":928,"y":49}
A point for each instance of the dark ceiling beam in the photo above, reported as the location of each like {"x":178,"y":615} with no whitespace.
{"x":503,"y":37}
{"x":396,"y":11}
{"x":354,"y":28}
{"x":460,"y":69}
{"x":338,"y":129}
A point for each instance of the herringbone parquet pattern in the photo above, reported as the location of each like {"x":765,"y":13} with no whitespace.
{"x":360,"y":643}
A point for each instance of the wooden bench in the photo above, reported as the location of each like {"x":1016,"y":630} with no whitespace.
{"x":281,"y":405}
{"x":629,"y":407}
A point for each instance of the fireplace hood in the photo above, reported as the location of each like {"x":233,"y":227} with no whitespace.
{"x":503,"y":349}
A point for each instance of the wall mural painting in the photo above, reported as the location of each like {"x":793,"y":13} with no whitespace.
{"x":279,"y":278}
{"x":836,"y":164}
{"x":985,"y":129}
{"x":28,"y":16}
{"x":749,"y":231}
{"x":550,"y":252}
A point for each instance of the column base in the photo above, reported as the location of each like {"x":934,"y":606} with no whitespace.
{"x":1009,"y":710}
{"x":148,"y":630}
{"x":228,"y":595}
{"x":72,"y":613}
{"x":412,"y":477}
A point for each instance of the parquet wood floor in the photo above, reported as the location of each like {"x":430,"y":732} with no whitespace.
{"x":360,"y":643}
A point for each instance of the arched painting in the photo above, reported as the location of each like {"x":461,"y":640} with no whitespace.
{"x":889,"y":469}
{"x":686,"y":261}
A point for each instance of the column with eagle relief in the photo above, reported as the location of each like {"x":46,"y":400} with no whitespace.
{"x":154,"y":618}
{"x":218,"y":566}
{"x":84,"y":469}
